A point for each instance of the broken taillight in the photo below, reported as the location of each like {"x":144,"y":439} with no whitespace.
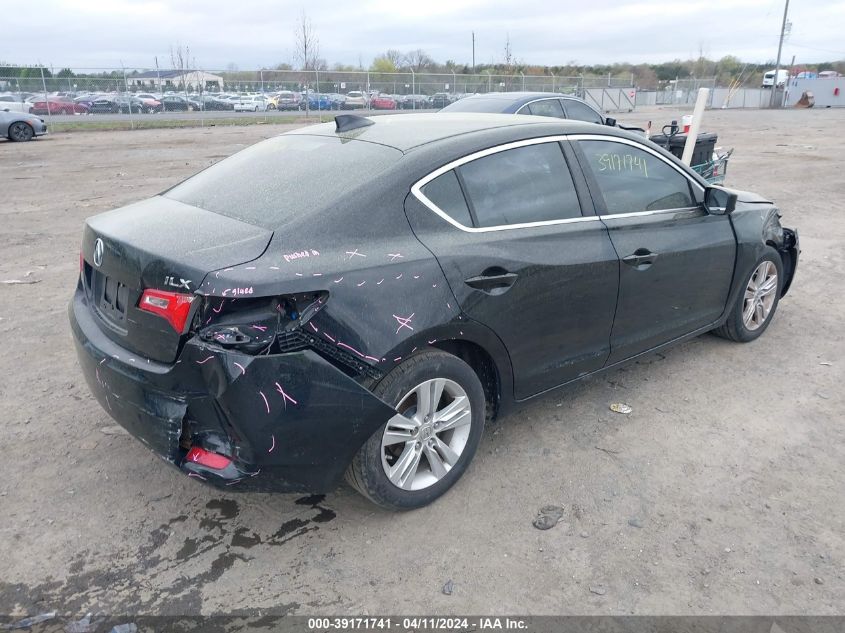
{"x":206,"y":458}
{"x":172,"y":306}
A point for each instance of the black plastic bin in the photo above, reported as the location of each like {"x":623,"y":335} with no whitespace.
{"x":704,"y":146}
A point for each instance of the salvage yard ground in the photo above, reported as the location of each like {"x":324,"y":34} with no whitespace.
{"x":722,"y":492}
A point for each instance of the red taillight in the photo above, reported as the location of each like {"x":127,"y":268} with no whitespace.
{"x":207,"y":458}
{"x":173,"y":306}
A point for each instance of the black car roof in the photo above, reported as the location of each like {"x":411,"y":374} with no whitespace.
{"x":407,"y":131}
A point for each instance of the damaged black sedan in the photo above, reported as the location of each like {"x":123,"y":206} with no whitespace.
{"x":359,"y":298}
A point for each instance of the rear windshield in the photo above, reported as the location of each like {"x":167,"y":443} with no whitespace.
{"x":271,"y":182}
{"x":478,"y":105}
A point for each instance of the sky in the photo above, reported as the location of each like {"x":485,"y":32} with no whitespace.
{"x":260,"y":33}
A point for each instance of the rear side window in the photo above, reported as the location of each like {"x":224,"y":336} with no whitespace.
{"x":633,"y":180}
{"x":546,"y":107}
{"x":524,"y":184}
{"x":271,"y":182}
{"x":445,"y":192}
{"x":581,"y":112}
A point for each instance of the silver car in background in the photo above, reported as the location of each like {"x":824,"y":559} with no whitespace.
{"x":21,"y":126}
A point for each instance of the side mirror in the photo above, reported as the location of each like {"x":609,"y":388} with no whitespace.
{"x":720,"y":201}
{"x":610,"y":121}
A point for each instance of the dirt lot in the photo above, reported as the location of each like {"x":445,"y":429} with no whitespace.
{"x":723,"y":492}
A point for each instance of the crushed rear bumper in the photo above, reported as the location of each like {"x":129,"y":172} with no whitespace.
{"x":288,"y":422}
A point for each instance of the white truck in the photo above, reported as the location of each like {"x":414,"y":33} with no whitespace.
{"x":769,"y":78}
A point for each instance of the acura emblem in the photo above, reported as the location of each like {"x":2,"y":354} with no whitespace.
{"x":99,"y":247}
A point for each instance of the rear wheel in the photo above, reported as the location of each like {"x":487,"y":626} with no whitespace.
{"x":756,"y":305}
{"x":20,"y":132}
{"x":419,"y":453}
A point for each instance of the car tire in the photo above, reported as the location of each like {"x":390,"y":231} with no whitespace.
{"x":428,"y":372}
{"x":757,"y":302}
{"x":21,"y":132}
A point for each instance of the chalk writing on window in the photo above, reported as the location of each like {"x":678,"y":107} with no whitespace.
{"x":623,"y":162}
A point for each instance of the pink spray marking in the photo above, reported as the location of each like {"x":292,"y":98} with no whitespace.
{"x":299,"y":274}
{"x":354,"y":253}
{"x":403,"y":322}
{"x":285,"y":397}
{"x":361,"y":284}
{"x":102,"y":361}
{"x":241,"y":367}
{"x":337,"y":281}
{"x":263,"y":397}
{"x":233,"y":482}
{"x":260,"y":328}
{"x":273,"y":445}
{"x":202,"y":362}
{"x":250,"y":268}
{"x":394,"y":256}
{"x":313,"y":327}
{"x":432,"y":342}
{"x":397,"y":359}
{"x":400,"y":276}
{"x":329,"y":336}
{"x":378,"y":283}
{"x":416,"y":276}
{"x":361,"y":354}
{"x":218,"y":308}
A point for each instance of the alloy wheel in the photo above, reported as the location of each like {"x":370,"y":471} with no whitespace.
{"x":425,"y":440}
{"x":20,"y":132}
{"x":760,"y":295}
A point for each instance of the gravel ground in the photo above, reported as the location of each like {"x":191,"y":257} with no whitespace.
{"x":722,"y":492}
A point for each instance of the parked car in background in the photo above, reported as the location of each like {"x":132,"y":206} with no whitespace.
{"x":383,"y":102}
{"x":318,"y":102}
{"x":338,"y":101}
{"x":356,"y":100}
{"x":21,"y":126}
{"x":440,"y":100}
{"x":178,"y":103}
{"x":13,"y":103}
{"x":288,"y":100}
{"x":457,"y":265}
{"x":57,"y":105}
{"x":251,"y":104}
{"x":415,"y":102}
{"x":537,"y":103}
{"x":208,"y":102}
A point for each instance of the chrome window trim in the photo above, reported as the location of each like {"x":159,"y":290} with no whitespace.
{"x":416,"y":188}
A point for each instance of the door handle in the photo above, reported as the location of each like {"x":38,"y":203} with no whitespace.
{"x":494,"y":281}
{"x":640,"y":257}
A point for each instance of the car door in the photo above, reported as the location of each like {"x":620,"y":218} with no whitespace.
{"x":522,"y":258}
{"x":677,"y":260}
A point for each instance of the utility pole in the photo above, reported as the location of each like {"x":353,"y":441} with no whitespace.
{"x":473,"y":52}
{"x":777,"y":63}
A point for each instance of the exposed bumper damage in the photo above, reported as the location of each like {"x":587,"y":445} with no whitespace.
{"x":789,"y":251}
{"x":286,"y":422}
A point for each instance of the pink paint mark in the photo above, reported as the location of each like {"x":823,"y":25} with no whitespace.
{"x":337,"y":281}
{"x":432,"y":342}
{"x":397,"y":359}
{"x":416,"y":276}
{"x":225,"y":292}
{"x":233,"y":482}
{"x":227,"y":269}
{"x":413,"y":350}
{"x":361,"y":284}
{"x":260,"y":328}
{"x":403,"y":322}
{"x":209,"y":321}
{"x":313,"y":327}
{"x":273,"y":445}
{"x":250,"y":268}
{"x":354,"y":253}
{"x":299,"y":274}
{"x":274,"y":268}
{"x":448,"y":305}
{"x":378,"y":283}
{"x":317,"y":274}
{"x":434,"y":285}
{"x":218,"y":308}
{"x":285,"y":397}
{"x":202,"y":362}
{"x":241,"y":367}
{"x":394,"y":256}
{"x":102,"y":361}
{"x":197,"y":475}
{"x":361,"y":354}
{"x":263,"y":397}
{"x":400,"y":276}
{"x":329,"y":336}
{"x":217,"y":274}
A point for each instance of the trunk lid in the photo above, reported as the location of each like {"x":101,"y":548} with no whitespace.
{"x":161,"y":244}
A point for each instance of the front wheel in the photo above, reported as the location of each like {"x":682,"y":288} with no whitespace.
{"x":21,"y":132}
{"x":756,"y":305}
{"x":419,"y":453}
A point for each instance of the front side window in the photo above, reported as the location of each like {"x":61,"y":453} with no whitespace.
{"x":545,"y":107}
{"x":581,"y":112}
{"x":632,"y":180}
{"x":524,"y":184}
